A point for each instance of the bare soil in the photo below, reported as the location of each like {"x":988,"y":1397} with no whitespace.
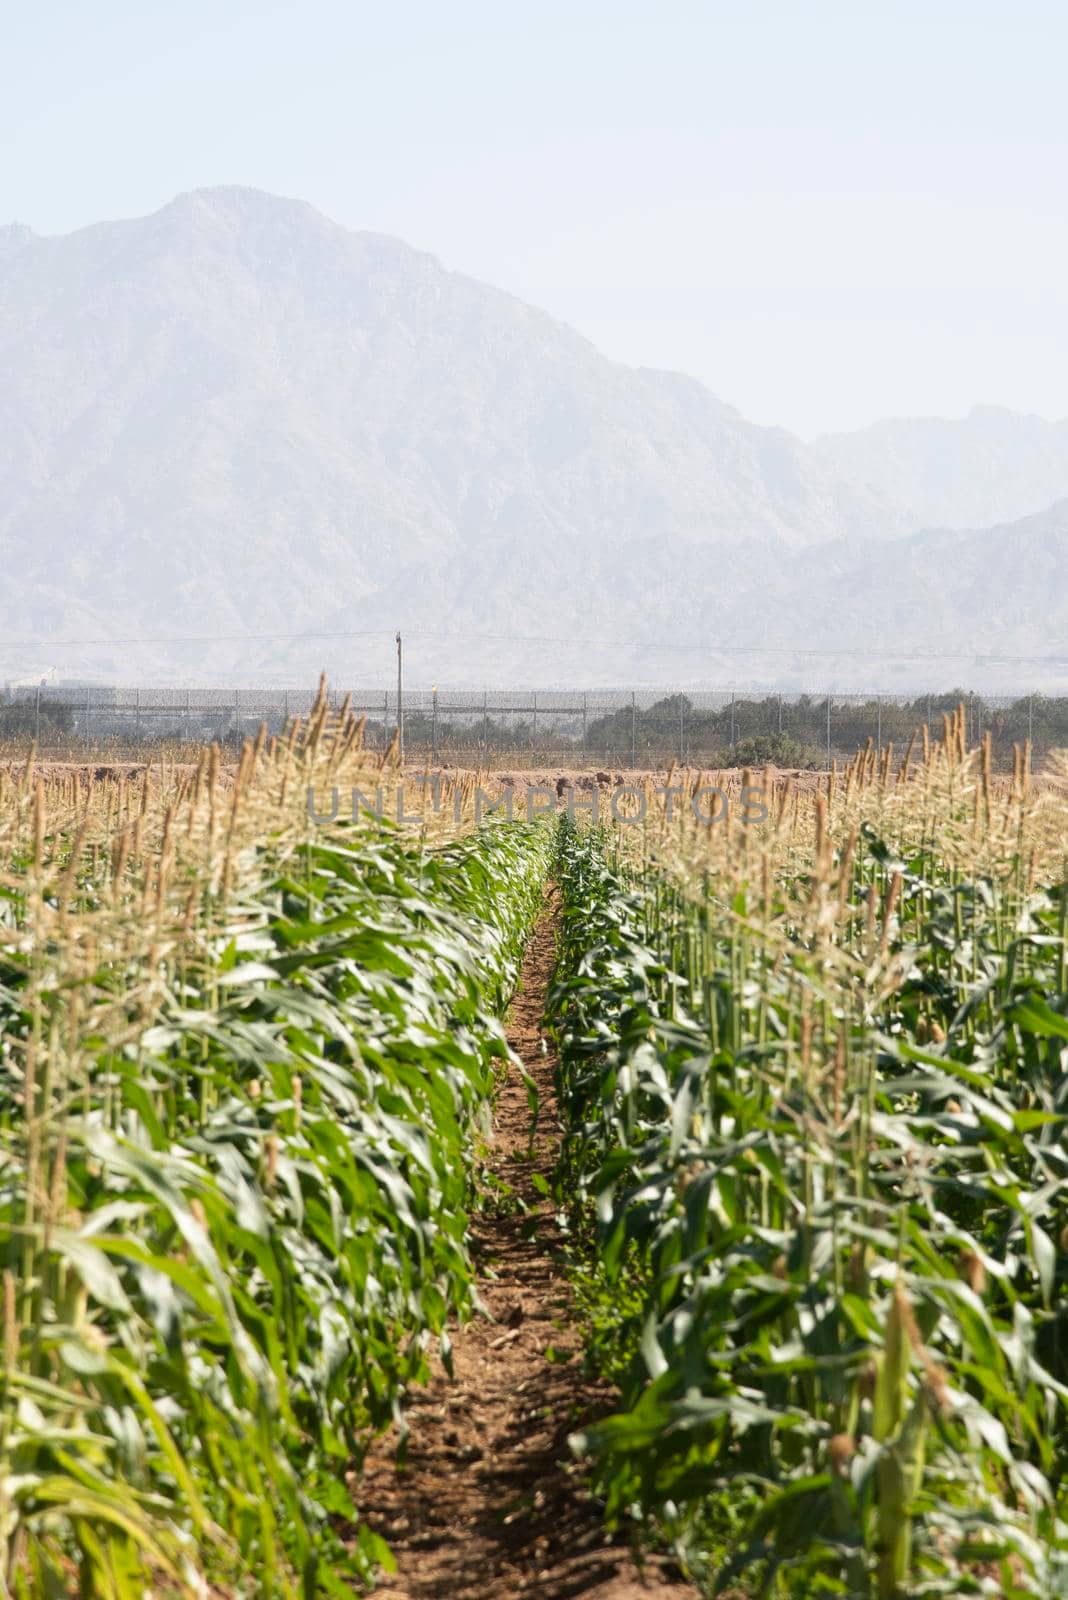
{"x":491,"y":1503}
{"x":730,"y":779}
{"x":493,"y":780}
{"x":102,"y":771}
{"x":607,"y":778}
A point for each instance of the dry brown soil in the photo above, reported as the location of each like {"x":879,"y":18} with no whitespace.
{"x":491,"y":1504}
{"x":604,"y":778}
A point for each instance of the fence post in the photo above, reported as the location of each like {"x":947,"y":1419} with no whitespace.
{"x":1030,"y":717}
{"x":879,"y":723}
{"x":682,"y":736}
{"x":87,"y":710}
{"x":734,"y":725}
{"x":137,"y":715}
{"x":484,"y":740}
{"x":633,"y":730}
{"x":828,"y":730}
{"x":434,"y":726}
{"x":37,"y":716}
{"x":780,"y":716}
{"x":188,"y":713}
{"x":584,"y":725}
{"x":400,"y":700}
{"x":534,"y":724}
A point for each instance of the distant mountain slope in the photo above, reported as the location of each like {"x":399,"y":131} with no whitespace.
{"x":234,"y":417}
{"x":233,"y":414}
{"x":12,"y":237}
{"x":928,"y":610}
{"x":992,"y":591}
{"x":991,"y":465}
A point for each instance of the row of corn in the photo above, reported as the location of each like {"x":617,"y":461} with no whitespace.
{"x":244,"y":1069}
{"x":815,"y":1083}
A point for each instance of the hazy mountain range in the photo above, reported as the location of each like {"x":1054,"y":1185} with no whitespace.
{"x":234,"y":417}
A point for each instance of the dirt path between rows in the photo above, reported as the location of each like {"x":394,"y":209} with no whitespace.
{"x":491,"y":1505}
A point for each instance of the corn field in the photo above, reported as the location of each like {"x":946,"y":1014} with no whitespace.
{"x":815,"y":1088}
{"x":244,"y":1072}
{"x":812,"y":1187}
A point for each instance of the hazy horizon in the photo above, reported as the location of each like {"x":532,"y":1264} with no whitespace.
{"x":235,"y":428}
{"x":578,"y":269}
{"x":825,"y":216}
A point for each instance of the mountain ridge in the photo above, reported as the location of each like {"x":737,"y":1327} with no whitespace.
{"x":235,"y":416}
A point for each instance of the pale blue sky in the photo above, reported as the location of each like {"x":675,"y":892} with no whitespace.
{"x":828,"y":210}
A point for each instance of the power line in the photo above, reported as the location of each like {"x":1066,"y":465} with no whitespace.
{"x":740,"y":649}
{"x":193,"y":638}
{"x":546,"y":638}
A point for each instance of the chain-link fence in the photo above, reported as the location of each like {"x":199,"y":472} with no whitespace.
{"x":621,"y":728}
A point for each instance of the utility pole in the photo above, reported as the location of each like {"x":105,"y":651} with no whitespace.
{"x":400,"y":699}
